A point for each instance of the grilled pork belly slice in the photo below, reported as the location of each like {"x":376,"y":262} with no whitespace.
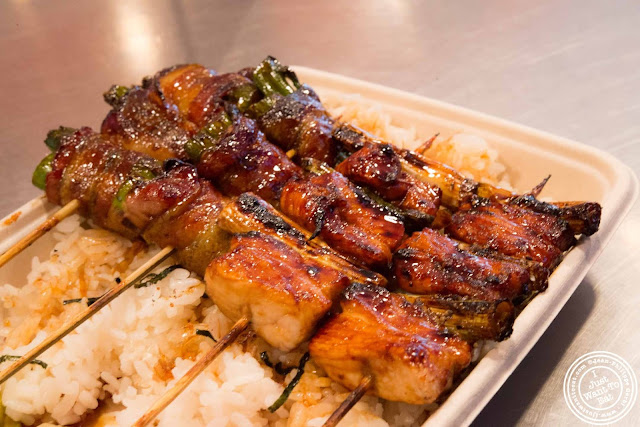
{"x":431,"y":263}
{"x":283,"y":293}
{"x":381,"y":334}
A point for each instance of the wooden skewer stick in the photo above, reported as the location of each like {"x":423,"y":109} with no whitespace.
{"x":348,"y":403}
{"x":170,"y":395}
{"x":79,"y":318}
{"x":42,"y":229}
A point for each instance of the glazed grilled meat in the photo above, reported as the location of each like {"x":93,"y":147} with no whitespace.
{"x":454,"y":186}
{"x":243,"y":160}
{"x":457,"y":190}
{"x":198,"y":94}
{"x":248,"y":212}
{"x":137,"y":196}
{"x":167,"y":119}
{"x":468,"y":318}
{"x":499,"y":232}
{"x":141,"y":122}
{"x":380,"y":334}
{"x":300,"y":122}
{"x":291,"y":114}
{"x":329,"y":205}
{"x":551,"y":228}
{"x":379,"y":168}
{"x":431,"y":263}
{"x":582,"y":217}
{"x":281,"y":291}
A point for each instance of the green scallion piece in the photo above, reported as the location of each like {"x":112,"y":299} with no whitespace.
{"x":272,"y":77}
{"x":208,"y":136}
{"x":8,"y":357}
{"x":54,"y":137}
{"x":205,"y":333}
{"x":154,"y":278}
{"x":244,"y":96}
{"x":74,"y":300}
{"x":138,"y":174}
{"x":115,"y":95}
{"x":278,"y":367}
{"x":289,"y":388}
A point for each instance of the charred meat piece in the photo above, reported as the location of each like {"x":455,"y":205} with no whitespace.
{"x":329,"y":205}
{"x":456,"y":189}
{"x":137,"y":196}
{"x":550,"y":228}
{"x":582,"y":217}
{"x":379,"y":168}
{"x":250,"y":213}
{"x":140,"y":122}
{"x":199,"y":94}
{"x":283,"y":293}
{"x":495,"y":231}
{"x":470,"y":319}
{"x":192,"y":228}
{"x":291,"y":115}
{"x":380,"y":334}
{"x":299,"y":121}
{"x":243,"y":160}
{"x":430,"y":263}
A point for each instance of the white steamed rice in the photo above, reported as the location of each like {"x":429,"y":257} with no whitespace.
{"x":125,"y":356}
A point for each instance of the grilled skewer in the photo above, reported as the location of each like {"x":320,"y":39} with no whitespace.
{"x":62,"y":213}
{"x":238,"y":158}
{"x":402,"y":178}
{"x":138,"y":197}
{"x":431,"y":263}
{"x":299,"y":290}
{"x":582,"y":217}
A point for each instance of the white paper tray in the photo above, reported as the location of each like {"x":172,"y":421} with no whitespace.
{"x":578,"y":172}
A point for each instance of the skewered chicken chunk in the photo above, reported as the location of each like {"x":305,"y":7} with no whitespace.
{"x":431,"y":263}
{"x":283,"y":293}
{"x":380,"y":334}
{"x":329,"y":205}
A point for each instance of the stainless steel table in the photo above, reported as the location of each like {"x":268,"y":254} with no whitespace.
{"x":570,"y":68}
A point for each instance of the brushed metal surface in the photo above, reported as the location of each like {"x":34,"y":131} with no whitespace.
{"x":570,"y":68}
